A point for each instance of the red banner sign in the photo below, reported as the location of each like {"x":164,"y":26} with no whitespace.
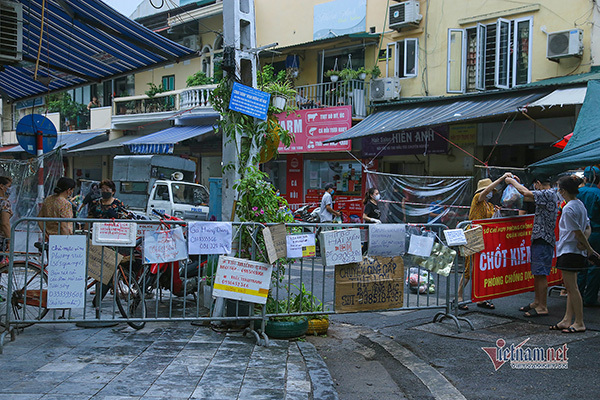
{"x":311,"y":127}
{"x":295,"y":168}
{"x":504,"y":268}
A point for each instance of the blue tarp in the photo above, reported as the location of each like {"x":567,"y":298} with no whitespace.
{"x":83,"y":41}
{"x":70,"y":140}
{"x":163,"y":142}
{"x":583,"y":148}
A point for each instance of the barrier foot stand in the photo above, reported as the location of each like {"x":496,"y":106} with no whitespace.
{"x":256,"y":336}
{"x":265,"y":339}
{"x":441,"y":315}
{"x":2,"y":336}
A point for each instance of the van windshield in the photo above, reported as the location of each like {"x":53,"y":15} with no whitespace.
{"x":189,"y":194}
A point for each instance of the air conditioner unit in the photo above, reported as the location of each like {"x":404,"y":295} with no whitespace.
{"x":385,"y":89}
{"x":191,"y":42}
{"x":565,"y":44}
{"x":405,"y":14}
{"x":11,"y":31}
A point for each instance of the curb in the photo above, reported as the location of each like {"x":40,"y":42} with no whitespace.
{"x":322,"y":384}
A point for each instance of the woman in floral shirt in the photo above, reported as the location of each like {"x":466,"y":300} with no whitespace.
{"x":107,"y":206}
{"x":5,"y":211}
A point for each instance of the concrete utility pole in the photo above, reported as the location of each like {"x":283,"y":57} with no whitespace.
{"x":240,"y":39}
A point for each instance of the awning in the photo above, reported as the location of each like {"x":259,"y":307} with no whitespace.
{"x":110,"y":147}
{"x":82,"y":42}
{"x":163,"y":142}
{"x":436,"y":112}
{"x":71,"y":140}
{"x":561,"y":97}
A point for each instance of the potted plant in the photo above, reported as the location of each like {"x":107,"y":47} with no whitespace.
{"x":281,"y":92}
{"x":348,"y":74}
{"x":375,"y":72}
{"x":333,"y":75}
{"x":362,"y":73}
{"x":284,"y":327}
{"x":305,"y":301}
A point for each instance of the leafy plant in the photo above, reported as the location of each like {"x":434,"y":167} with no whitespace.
{"x":70,"y":110}
{"x":198,"y":79}
{"x":154,"y":90}
{"x":362,"y":70}
{"x":376,"y":72}
{"x":332,"y":72}
{"x":348,"y":74}
{"x":301,"y":302}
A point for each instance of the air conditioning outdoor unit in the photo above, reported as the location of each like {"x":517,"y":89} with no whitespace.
{"x":191,"y":42}
{"x":385,"y":89}
{"x":405,"y":14}
{"x":11,"y":31}
{"x":565,"y":44}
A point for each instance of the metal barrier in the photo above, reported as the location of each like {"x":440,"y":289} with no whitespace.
{"x":137,"y":292}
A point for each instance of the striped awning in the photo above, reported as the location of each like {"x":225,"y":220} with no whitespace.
{"x":70,"y":140}
{"x":82,"y":42}
{"x":163,"y":142}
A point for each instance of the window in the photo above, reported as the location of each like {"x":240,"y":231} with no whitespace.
{"x":489,"y":56}
{"x":168,"y":82}
{"x":402,"y":60}
{"x":161,"y":193}
{"x":134,"y":187}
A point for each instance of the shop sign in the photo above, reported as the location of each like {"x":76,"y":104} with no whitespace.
{"x":294,"y":178}
{"x":312,"y":127}
{"x":463,"y":135}
{"x":414,"y":141}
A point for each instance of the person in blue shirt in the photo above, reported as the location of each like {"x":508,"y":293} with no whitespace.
{"x":435,"y":210}
{"x":589,"y":280}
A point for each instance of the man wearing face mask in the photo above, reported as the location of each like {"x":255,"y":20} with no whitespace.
{"x":327,"y":212}
{"x":481,"y":208}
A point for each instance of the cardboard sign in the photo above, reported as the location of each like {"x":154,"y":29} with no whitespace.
{"x":374,"y":284}
{"x":102,"y":262}
{"x":209,"y":237}
{"x":275,"y":242}
{"x":164,"y":246}
{"x":66,"y":271}
{"x":474,"y":244}
{"x":455,"y":237}
{"x":341,"y":247}
{"x":301,"y":245}
{"x":420,"y":245}
{"x":503,"y":267}
{"x":387,"y":240}
{"x":114,"y":234}
{"x":241,"y":279}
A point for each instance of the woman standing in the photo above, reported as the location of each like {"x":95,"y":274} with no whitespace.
{"x":5,"y":212}
{"x":107,"y":206}
{"x":372,"y":213}
{"x":571,"y":251}
{"x":58,"y":205}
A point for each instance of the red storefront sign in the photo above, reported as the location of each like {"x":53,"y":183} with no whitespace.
{"x":294,"y":179}
{"x":311,"y":127}
{"x":504,"y":268}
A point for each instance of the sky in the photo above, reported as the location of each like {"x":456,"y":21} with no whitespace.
{"x":125,"y":7}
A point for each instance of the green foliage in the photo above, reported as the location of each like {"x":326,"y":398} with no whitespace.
{"x":331,"y":72}
{"x":198,"y":79}
{"x":375,"y":72}
{"x":266,"y":75}
{"x":301,"y":302}
{"x":154,"y":90}
{"x":348,"y":74}
{"x":68,"y":109}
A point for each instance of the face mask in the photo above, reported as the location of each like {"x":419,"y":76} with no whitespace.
{"x":332,"y":192}
{"x":377,"y":197}
{"x":489,"y":196}
{"x":106,"y":195}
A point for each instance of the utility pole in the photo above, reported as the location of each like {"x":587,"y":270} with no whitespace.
{"x":239,"y":58}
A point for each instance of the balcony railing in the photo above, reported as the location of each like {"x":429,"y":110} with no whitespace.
{"x":350,"y":92}
{"x":174,"y":100}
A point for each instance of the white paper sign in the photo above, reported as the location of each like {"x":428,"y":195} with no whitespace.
{"x":455,"y":237}
{"x":387,"y":240}
{"x":66,"y":271}
{"x":164,"y":246}
{"x":209,"y":237}
{"x":241,"y":279}
{"x":420,"y":245}
{"x":114,"y":234}
{"x":341,"y":246}
{"x":302,"y":245}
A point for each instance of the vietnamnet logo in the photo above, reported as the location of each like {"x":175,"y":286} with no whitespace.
{"x":521,"y":357}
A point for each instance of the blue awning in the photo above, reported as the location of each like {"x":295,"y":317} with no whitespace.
{"x":163,"y":142}
{"x":71,"y":140}
{"x":436,"y":112}
{"x":82,"y":42}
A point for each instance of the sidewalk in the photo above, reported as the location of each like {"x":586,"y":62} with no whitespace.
{"x":164,"y":360}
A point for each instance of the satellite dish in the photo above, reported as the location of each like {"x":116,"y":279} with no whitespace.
{"x":177,"y":176}
{"x":29,"y":127}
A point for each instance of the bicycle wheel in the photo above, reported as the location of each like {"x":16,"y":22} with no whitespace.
{"x":129,"y":299}
{"x":29,"y":294}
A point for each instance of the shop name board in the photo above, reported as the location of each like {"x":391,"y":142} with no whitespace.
{"x":414,"y":141}
{"x":313,"y":126}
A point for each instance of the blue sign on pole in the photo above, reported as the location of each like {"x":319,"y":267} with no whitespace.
{"x":249,"y":101}
{"x":29,"y":127}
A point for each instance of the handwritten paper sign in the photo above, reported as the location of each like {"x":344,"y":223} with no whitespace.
{"x":420,"y":245}
{"x":66,"y":271}
{"x":275,"y":242}
{"x":301,"y":245}
{"x":102,"y":264}
{"x":455,"y":237}
{"x":387,"y":240}
{"x":373,"y":284}
{"x":475,"y":242}
{"x":241,"y":279}
{"x":209,"y":237}
{"x":341,"y":246}
{"x":114,"y":234}
{"x":164,"y":246}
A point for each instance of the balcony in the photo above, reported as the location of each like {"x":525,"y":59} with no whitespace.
{"x":354,"y":93}
{"x":137,"y":110}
